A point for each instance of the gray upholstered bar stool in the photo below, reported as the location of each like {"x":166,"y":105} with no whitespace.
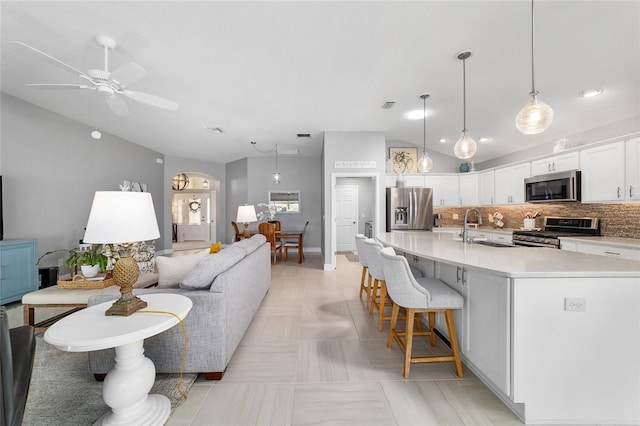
{"x":378,"y":300}
{"x":421,"y":295}
{"x":362,"y":258}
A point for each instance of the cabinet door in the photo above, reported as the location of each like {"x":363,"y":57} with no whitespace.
{"x":435,"y":183}
{"x":414,"y":181}
{"x":390,"y":181}
{"x":541,"y":167}
{"x":468,"y":185}
{"x":518,"y":174}
{"x":485,"y":191}
{"x":603,"y":173}
{"x":450,"y":190}
{"x":633,"y":170}
{"x":564,"y":162}
{"x":451,"y":276}
{"x":610,"y":251}
{"x":486,"y":340}
{"x":18,"y":273}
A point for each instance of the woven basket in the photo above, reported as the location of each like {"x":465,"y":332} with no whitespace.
{"x":80,"y":282}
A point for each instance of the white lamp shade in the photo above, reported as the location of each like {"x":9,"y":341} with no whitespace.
{"x":466,"y":147}
{"x":534,"y":117}
{"x":246,"y":214}
{"x":121,"y":217}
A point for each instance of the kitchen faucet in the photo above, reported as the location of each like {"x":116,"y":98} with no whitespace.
{"x":464,"y":228}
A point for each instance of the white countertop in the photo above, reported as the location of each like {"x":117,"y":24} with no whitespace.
{"x":631,"y":243}
{"x":513,"y":261}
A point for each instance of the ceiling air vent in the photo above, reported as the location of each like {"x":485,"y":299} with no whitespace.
{"x":388,"y":104}
{"x":214,"y":129}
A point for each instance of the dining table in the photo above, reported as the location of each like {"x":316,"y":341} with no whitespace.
{"x":291,"y":234}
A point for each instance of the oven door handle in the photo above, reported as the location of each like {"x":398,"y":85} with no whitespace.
{"x":532,"y":244}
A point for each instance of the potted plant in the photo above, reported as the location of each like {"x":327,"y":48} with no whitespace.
{"x":91,"y":261}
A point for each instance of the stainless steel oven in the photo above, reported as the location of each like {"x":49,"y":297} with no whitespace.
{"x":556,"y":227}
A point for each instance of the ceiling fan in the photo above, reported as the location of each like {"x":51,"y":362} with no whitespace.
{"x":111,"y":84}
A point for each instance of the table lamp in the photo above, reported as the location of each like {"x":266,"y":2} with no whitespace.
{"x":118,"y":217}
{"x":246,"y":214}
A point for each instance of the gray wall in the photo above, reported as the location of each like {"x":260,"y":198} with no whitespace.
{"x":217,"y":171}
{"x":237,"y":192}
{"x":441,"y":163}
{"x":365,"y":198}
{"x":51,"y":168}
{"x":351,"y":146}
{"x":296,"y":174}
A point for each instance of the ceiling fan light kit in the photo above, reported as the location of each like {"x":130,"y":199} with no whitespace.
{"x":466,"y":147}
{"x":111,"y":84}
{"x":535,"y":116}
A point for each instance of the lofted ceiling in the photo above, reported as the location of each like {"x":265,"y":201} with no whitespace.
{"x":265,"y":71}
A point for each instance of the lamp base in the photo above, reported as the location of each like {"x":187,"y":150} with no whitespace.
{"x":246,"y":232}
{"x":125,"y":274}
{"x":127,"y":307}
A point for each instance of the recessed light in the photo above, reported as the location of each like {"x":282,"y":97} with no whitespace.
{"x":590,"y":93}
{"x":388,"y":104}
{"x":484,"y":139}
{"x":443,"y":140}
{"x":214,"y":129}
{"x":96,"y":134}
{"x":416,"y":114}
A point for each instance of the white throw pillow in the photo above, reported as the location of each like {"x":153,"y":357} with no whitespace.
{"x":207,"y":269}
{"x":171,"y":270}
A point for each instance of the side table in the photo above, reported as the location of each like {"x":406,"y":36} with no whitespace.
{"x":126,"y":387}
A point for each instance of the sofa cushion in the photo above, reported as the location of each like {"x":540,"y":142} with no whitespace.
{"x":173,"y":269}
{"x":207,"y":269}
{"x":247,"y":245}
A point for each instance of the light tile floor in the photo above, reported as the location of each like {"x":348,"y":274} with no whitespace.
{"x":313,"y":355}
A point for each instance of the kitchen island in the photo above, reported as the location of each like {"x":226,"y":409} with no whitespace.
{"x":555,"y":334}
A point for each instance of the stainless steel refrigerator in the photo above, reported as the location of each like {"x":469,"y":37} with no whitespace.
{"x":409,"y":209}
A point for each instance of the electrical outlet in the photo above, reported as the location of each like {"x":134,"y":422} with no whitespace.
{"x":455,"y":215}
{"x":575,"y":304}
{"x":60,"y":263}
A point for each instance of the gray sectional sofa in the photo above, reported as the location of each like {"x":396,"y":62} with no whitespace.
{"x":226,"y":289}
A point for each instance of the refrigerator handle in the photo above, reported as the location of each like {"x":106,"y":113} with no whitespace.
{"x":410,"y":213}
{"x":415,"y":208}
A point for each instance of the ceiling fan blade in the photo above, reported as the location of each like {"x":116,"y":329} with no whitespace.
{"x":51,"y":59}
{"x":59,"y":86}
{"x":153,"y":100}
{"x":117,"y":105}
{"x":128,"y":73}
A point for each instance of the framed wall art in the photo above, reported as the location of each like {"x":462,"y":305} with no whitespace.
{"x":404,"y":160}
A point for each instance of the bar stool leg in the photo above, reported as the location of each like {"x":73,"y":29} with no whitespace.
{"x":432,"y":326}
{"x":408,"y":342}
{"x":364,"y":274}
{"x":454,"y":341}
{"x":374,"y":294}
{"x":383,"y":299}
{"x":392,"y":326}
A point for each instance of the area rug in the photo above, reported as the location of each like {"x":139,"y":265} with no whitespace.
{"x":64,"y":392}
{"x":351,"y":256}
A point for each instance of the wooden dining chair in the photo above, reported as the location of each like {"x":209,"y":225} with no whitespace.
{"x":296,"y":244}
{"x":269,"y":231}
{"x":237,"y":233}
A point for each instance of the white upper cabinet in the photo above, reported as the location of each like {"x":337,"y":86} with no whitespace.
{"x":485,"y":188}
{"x":445,"y":189}
{"x":603,"y":173}
{"x":555,"y":164}
{"x":468,"y":189}
{"x":509,"y":183}
{"x":632,"y":190}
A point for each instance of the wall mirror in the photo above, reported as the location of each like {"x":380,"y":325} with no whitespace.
{"x":288,"y":202}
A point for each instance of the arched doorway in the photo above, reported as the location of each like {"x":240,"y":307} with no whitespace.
{"x":193,"y":210}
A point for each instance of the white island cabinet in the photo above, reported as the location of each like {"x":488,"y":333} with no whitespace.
{"x":529,"y":326}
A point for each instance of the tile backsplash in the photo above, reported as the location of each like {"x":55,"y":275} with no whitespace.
{"x":616,"y":219}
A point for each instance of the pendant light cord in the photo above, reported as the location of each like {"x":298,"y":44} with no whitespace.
{"x":424,"y":124}
{"x":464,"y":94}
{"x":276,"y":158}
{"x":533,"y":80}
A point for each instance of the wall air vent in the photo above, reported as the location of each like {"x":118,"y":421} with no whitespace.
{"x":303,"y":135}
{"x":388,"y":104}
{"x":214,"y":129}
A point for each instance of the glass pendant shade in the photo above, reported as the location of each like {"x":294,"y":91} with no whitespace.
{"x":466,"y":147}
{"x":534,"y":117}
{"x":425,"y":163}
{"x":276,"y":178}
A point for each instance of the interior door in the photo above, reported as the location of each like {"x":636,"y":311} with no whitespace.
{"x":193,"y":216}
{"x":346,"y":217}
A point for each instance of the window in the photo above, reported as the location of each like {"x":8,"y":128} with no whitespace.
{"x":286,"y":201}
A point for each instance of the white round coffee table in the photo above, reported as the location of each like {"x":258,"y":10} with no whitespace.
{"x":126,"y":387}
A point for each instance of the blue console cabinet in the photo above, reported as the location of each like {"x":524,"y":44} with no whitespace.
{"x":18,"y":271}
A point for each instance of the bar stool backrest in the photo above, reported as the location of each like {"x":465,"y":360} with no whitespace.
{"x":362,"y":257}
{"x":372,"y":248}
{"x":401,"y":286}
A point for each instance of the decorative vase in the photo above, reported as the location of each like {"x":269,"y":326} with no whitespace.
{"x":529,"y":223}
{"x":90,"y":271}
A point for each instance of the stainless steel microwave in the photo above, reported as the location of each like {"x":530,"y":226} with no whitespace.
{"x":554,"y":187}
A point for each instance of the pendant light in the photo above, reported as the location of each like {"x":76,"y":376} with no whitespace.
{"x":424,"y":163}
{"x":276,"y":175}
{"x":535,"y":116}
{"x":466,"y":147}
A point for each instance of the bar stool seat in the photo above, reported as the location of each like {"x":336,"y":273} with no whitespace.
{"x":417,"y":296}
